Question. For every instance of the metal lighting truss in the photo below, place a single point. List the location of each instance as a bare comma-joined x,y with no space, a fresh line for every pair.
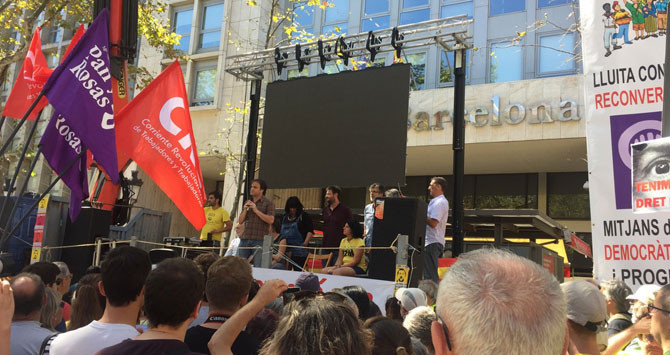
450,33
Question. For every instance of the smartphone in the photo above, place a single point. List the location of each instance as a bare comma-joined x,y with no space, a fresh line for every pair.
287,296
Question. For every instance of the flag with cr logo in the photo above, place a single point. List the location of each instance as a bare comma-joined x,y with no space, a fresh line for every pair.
33,74
155,131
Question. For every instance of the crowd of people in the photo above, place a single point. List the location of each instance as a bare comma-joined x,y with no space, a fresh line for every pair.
490,301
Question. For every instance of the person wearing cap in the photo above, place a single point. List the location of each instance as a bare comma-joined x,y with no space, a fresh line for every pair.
409,299
660,318
587,312
615,292
307,281
635,339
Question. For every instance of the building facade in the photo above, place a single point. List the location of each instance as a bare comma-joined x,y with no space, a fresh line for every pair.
525,131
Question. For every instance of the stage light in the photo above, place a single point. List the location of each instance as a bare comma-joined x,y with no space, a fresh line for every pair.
372,40
323,58
395,37
279,56
343,51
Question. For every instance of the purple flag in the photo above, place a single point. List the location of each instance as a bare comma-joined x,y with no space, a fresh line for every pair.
81,90
60,147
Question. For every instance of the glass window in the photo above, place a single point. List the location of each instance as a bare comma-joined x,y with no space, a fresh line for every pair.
376,6
376,23
52,59
414,16
295,73
499,7
49,35
463,8
339,29
506,62
210,31
303,14
555,53
447,67
545,3
340,11
566,197
406,4
418,77
510,191
205,85
182,26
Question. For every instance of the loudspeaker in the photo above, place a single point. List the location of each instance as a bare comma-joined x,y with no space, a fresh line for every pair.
91,223
393,216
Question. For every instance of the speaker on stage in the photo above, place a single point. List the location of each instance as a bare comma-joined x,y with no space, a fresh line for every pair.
91,223
393,216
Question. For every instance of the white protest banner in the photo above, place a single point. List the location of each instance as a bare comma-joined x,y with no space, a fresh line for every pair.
379,290
623,52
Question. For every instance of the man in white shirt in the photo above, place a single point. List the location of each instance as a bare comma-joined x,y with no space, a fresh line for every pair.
124,272
436,224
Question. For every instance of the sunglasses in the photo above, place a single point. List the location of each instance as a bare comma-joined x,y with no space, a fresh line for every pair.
651,308
445,330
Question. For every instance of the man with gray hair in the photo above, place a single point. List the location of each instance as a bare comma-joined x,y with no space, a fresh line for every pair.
494,302
615,292
26,333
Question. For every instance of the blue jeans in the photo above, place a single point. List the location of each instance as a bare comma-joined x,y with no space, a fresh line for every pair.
623,33
246,253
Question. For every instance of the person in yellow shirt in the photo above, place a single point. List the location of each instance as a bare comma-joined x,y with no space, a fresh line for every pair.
350,261
218,219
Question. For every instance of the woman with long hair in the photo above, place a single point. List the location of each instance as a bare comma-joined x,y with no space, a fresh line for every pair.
88,303
350,261
297,228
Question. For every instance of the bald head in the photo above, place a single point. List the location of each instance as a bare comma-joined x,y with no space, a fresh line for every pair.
28,296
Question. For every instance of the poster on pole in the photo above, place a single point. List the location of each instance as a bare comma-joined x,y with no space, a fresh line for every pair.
623,46
38,234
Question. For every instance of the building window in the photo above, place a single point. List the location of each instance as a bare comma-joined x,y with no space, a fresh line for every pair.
418,71
204,85
52,59
566,197
506,62
373,7
499,7
295,73
50,34
210,28
556,53
547,3
303,16
509,191
447,67
338,12
375,23
181,25
415,16
461,8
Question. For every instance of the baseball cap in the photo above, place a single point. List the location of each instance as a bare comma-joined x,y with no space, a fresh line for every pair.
586,304
410,298
644,293
308,281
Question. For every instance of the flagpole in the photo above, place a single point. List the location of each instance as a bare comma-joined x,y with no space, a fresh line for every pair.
18,126
2,122
5,235
18,165
23,188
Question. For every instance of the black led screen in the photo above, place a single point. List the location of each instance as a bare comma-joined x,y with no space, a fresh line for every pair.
347,129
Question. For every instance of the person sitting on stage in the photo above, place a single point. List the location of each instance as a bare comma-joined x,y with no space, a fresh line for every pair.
279,252
350,261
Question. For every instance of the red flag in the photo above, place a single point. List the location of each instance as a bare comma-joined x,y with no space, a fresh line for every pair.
73,41
32,77
155,130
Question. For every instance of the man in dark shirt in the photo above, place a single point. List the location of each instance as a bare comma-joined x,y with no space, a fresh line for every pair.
227,290
335,215
257,216
171,302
